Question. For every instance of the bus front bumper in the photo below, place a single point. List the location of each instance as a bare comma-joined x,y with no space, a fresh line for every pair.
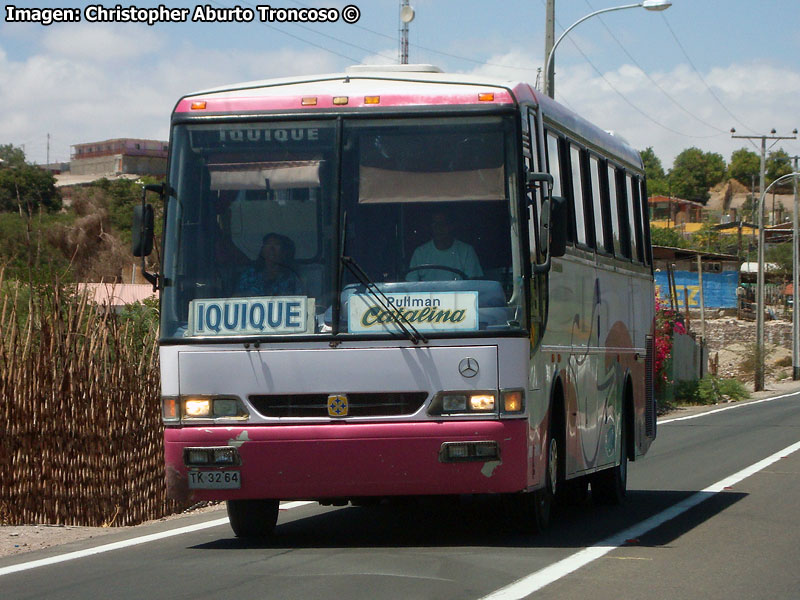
352,460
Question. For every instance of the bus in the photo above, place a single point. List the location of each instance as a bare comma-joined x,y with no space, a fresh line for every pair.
395,281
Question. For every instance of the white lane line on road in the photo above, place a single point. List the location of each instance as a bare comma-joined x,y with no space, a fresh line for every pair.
125,543
731,407
536,581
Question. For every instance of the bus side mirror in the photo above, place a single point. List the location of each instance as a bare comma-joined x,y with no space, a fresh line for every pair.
142,234
558,226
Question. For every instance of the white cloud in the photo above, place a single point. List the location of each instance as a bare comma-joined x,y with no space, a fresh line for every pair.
103,44
79,98
760,96
107,81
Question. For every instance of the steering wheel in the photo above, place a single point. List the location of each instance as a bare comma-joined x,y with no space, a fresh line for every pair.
427,267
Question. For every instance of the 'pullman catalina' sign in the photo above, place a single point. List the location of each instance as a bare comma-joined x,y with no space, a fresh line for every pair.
431,311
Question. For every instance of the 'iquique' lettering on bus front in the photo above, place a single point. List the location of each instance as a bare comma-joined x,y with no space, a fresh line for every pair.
268,135
248,316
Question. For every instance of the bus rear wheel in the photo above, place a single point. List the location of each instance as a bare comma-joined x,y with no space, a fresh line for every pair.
253,518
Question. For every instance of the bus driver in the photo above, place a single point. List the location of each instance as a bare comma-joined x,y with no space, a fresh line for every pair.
446,251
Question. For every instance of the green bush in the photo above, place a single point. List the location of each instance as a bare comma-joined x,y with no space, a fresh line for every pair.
710,390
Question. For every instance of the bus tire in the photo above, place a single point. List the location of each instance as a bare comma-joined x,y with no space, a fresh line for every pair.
531,511
252,518
610,485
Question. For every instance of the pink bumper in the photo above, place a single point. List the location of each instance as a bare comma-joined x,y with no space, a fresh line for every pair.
346,460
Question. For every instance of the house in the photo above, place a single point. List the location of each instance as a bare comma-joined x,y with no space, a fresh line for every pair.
668,212
120,156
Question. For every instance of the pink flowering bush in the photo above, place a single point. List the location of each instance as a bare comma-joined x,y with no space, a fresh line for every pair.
667,323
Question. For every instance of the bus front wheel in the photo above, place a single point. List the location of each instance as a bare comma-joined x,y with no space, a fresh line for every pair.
609,486
253,518
531,511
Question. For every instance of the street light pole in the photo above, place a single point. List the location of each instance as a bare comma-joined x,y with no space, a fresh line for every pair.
758,384
549,77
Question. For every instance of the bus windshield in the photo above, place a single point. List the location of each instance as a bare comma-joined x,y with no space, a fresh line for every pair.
263,216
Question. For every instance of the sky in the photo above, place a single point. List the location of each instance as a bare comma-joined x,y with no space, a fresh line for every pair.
668,80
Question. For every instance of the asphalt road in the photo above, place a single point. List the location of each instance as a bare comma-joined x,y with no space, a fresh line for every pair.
727,538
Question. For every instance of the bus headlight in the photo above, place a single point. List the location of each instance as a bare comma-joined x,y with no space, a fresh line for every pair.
481,402
208,407
464,403
197,408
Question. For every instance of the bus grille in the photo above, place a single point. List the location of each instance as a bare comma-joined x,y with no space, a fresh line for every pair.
650,400
362,404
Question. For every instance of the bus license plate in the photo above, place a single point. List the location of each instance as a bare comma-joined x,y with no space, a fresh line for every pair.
214,480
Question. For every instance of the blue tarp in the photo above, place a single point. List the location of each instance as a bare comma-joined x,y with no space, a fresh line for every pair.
719,289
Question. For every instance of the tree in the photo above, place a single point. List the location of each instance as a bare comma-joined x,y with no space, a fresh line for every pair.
656,179
13,156
745,165
781,254
778,164
25,187
694,172
667,236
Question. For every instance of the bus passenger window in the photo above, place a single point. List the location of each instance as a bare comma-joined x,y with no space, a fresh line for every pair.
599,234
648,258
636,236
614,210
577,195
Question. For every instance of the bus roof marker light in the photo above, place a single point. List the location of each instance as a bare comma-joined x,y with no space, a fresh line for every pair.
372,99
199,105
656,4
340,100
486,97
308,101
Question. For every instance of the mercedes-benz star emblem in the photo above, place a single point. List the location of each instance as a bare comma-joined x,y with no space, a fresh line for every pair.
468,367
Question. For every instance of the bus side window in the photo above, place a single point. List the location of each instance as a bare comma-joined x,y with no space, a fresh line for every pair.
618,215
597,204
633,219
554,168
577,196
648,250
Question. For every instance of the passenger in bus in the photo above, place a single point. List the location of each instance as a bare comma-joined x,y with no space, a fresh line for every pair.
273,273
446,251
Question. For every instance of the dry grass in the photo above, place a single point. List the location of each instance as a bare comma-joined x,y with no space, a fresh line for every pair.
80,429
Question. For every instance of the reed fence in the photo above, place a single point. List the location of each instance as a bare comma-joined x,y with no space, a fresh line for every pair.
80,424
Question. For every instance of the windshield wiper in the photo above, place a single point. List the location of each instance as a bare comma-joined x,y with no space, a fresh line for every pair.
373,290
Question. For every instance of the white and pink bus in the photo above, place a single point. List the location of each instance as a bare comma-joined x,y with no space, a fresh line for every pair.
399,282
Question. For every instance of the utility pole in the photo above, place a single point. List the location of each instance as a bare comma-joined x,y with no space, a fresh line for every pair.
758,383
48,149
549,40
795,281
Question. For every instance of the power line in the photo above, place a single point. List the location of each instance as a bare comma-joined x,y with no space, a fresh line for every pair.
653,81
705,83
419,47
316,32
630,103
291,35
